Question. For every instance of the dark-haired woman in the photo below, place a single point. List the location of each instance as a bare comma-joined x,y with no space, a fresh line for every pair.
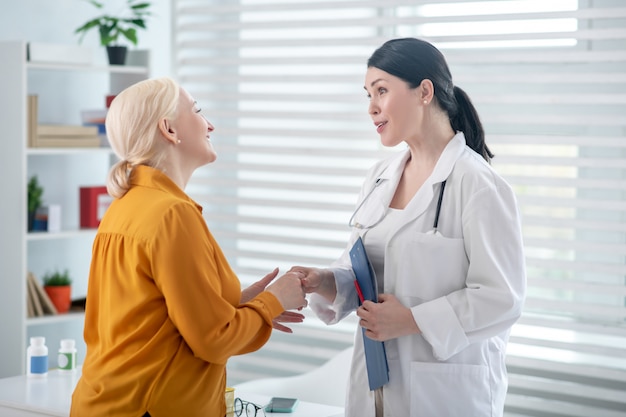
442,230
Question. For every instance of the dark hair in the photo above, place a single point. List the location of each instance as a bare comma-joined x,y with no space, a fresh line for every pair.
414,60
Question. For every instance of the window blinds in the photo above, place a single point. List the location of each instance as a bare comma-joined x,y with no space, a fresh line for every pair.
282,81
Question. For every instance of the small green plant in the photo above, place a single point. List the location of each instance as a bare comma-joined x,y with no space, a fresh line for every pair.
57,279
112,27
35,193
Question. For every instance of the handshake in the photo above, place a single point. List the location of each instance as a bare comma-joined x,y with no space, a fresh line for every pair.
291,289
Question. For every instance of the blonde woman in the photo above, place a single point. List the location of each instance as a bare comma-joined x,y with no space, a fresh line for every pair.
164,309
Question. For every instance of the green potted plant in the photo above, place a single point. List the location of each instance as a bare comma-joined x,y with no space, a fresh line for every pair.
35,193
112,27
58,287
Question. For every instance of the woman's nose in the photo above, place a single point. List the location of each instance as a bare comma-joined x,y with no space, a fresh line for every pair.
373,108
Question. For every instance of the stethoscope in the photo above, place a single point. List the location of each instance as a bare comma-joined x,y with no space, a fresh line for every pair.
379,181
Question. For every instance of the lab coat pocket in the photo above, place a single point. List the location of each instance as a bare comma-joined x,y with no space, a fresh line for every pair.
449,390
436,266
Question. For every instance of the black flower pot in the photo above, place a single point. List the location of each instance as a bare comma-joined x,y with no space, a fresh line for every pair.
31,220
117,54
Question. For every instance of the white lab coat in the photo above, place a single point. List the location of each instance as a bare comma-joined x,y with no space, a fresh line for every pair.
465,286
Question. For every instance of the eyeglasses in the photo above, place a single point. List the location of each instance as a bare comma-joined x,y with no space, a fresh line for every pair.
251,408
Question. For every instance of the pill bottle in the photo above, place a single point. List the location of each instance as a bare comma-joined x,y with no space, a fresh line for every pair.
67,356
37,358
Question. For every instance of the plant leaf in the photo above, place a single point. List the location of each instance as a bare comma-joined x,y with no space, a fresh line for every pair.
137,22
140,6
130,34
96,4
110,27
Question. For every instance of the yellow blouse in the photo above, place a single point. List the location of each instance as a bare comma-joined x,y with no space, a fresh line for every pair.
163,313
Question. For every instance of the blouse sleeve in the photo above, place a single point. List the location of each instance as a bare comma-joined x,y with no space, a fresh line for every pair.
202,293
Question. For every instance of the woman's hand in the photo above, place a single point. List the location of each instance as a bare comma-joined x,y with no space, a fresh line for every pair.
285,317
317,280
387,319
288,289
258,287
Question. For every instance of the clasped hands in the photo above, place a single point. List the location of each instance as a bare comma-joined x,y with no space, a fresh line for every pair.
289,291
387,319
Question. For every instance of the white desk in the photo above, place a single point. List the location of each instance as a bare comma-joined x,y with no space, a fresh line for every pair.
303,409
21,396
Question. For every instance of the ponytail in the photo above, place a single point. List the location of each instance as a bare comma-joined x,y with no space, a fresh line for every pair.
118,180
466,120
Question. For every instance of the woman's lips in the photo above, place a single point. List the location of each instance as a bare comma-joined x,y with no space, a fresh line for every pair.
380,126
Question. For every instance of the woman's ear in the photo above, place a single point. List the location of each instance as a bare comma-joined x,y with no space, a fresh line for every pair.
426,91
168,132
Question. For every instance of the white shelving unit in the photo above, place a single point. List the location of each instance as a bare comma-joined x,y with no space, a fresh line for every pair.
64,90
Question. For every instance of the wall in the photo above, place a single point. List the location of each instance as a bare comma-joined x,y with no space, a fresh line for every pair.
55,21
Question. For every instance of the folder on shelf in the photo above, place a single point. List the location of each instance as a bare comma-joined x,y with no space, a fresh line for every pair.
94,201
375,355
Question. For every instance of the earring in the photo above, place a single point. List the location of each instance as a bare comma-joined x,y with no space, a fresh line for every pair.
425,101
178,141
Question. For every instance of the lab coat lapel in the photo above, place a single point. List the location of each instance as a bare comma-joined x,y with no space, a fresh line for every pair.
424,196
381,196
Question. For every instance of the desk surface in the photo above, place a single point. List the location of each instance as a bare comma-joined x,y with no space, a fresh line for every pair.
21,396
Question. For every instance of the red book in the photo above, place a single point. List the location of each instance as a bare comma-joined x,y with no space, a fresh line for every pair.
93,203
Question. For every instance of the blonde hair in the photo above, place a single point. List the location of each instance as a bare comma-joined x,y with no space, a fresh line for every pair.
132,126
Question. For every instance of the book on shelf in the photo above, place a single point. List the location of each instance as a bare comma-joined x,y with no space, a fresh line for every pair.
33,297
33,103
30,303
42,305
66,131
66,136
58,135
64,142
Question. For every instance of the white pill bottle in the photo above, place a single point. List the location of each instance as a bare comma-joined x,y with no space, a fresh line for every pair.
67,356
37,358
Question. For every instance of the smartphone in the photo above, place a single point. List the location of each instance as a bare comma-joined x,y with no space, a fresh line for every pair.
281,405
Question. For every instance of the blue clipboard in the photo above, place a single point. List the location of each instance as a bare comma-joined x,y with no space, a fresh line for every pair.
375,355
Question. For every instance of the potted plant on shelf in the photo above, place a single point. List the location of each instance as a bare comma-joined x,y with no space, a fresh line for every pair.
58,287
112,27
35,193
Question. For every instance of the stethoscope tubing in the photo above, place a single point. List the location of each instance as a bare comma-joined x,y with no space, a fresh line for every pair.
376,184
358,225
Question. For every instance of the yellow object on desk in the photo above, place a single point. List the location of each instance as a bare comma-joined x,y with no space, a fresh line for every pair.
230,402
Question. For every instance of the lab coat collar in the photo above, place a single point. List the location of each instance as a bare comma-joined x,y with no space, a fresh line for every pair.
424,196
443,167
448,158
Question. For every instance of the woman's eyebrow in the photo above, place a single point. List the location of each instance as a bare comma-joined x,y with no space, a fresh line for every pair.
373,83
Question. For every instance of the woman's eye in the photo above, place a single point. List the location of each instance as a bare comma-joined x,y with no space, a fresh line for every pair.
198,110
382,90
